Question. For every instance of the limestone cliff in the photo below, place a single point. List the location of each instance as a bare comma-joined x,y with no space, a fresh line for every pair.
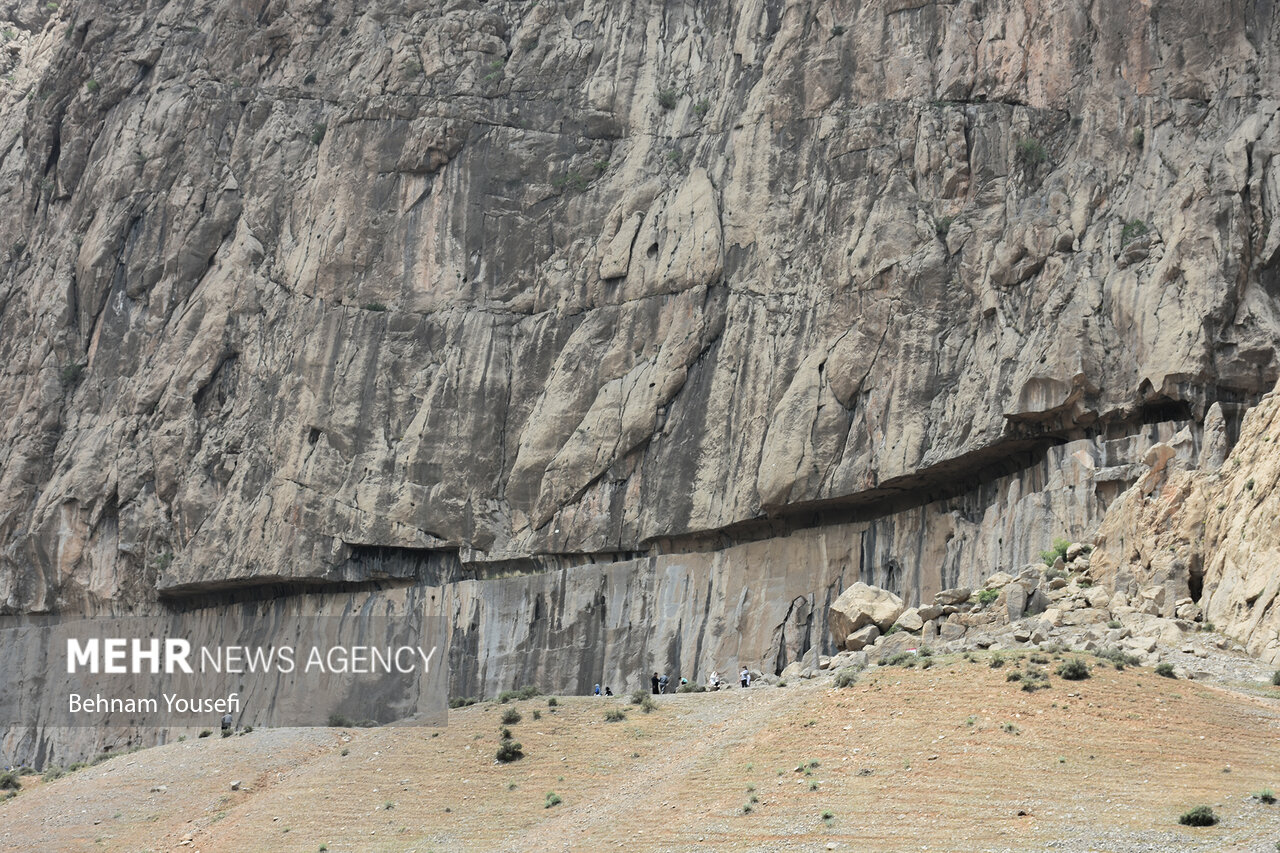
544,301
1210,536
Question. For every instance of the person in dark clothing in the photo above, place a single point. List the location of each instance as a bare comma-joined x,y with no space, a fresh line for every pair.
608,691
654,682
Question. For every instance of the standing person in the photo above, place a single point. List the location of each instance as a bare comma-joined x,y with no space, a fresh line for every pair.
597,693
662,684
654,682
745,677
226,723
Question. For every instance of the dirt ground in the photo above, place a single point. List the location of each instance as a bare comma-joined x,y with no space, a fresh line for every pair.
950,758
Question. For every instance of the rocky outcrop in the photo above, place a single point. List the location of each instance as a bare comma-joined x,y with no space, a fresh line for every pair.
1194,542
861,605
502,299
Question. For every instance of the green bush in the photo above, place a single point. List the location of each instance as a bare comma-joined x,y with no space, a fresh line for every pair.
997,661
9,781
552,702
318,132
337,721
1275,678
1059,549
509,750
648,705
462,701
1133,229
1030,153
70,374
553,799
205,733
374,306
615,715
987,596
1266,795
523,693
668,98
846,677
701,108
1166,670
638,696
511,716
1015,675
691,688
1073,670
1119,658
1199,816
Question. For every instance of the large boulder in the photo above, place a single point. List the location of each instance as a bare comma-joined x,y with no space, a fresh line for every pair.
862,605
861,638
910,620
959,595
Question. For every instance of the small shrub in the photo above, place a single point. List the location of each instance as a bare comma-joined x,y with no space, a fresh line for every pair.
1059,549
318,132
827,815
337,721
247,730
227,733
511,716
648,705
374,306
746,808
701,108
1015,675
997,661
345,751
942,225
1139,136
1199,816
615,715
92,86
1166,670
462,701
698,688
1030,153
925,652
509,751
523,693
1119,658
537,715
552,702
1133,229
1038,658
9,781
1114,624
1275,678
837,30
388,805
553,799
846,677
900,659
1073,670
638,696
70,374
987,596
1010,728
205,733
1266,795
668,98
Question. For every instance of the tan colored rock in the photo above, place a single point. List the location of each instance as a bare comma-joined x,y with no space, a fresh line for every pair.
997,580
952,597
861,638
910,620
860,605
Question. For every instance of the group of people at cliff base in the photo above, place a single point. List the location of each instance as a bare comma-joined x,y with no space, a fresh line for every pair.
660,683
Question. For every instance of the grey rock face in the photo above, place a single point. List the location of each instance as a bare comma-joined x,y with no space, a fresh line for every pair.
468,292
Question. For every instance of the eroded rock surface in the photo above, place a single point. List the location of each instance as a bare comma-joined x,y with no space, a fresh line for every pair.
464,293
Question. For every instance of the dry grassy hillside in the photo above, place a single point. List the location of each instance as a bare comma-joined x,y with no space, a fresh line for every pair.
953,757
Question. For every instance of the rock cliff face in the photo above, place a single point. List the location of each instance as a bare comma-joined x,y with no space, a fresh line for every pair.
587,302
1209,535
